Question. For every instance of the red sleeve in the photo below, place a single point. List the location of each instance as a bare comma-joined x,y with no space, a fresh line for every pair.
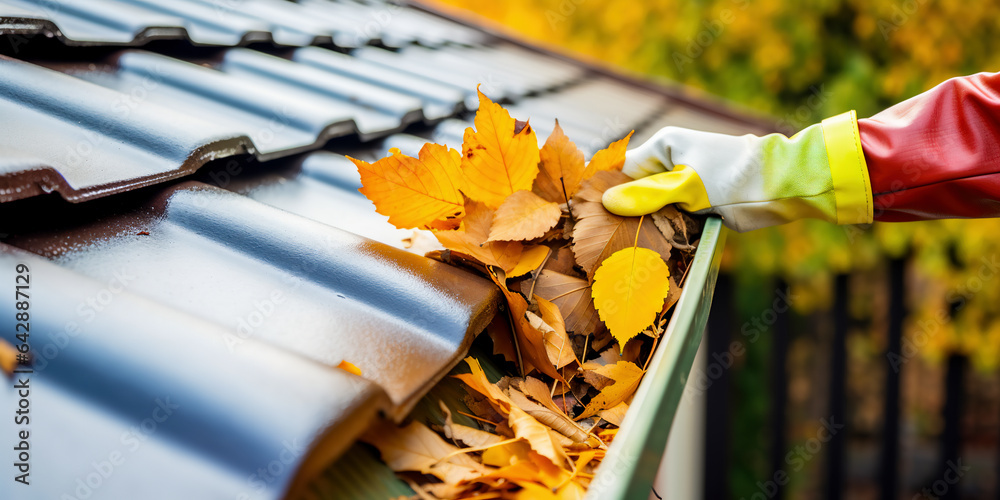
937,155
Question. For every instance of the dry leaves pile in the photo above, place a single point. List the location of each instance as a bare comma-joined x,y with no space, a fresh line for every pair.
587,294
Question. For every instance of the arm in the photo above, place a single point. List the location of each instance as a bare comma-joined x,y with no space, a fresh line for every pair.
936,155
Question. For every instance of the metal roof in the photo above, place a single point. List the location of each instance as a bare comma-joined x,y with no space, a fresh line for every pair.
231,22
194,232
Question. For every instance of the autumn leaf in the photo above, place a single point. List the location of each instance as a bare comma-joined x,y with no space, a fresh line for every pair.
561,165
530,340
537,435
524,216
470,239
573,298
544,409
599,233
615,414
609,158
626,378
562,260
671,224
477,381
417,448
503,337
557,343
349,367
531,258
414,192
497,159
629,289
472,437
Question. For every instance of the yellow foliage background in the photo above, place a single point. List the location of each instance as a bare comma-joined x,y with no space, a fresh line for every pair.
800,62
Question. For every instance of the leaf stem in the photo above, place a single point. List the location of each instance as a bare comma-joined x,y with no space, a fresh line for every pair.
566,197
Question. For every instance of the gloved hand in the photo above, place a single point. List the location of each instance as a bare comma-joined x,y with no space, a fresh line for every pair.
752,182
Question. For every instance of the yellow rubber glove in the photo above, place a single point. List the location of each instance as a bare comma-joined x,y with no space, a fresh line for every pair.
750,181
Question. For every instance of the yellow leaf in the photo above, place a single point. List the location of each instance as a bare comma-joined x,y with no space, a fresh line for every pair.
537,435
349,367
530,260
417,448
629,289
524,216
470,239
496,160
561,164
609,158
505,455
414,193
626,376
598,233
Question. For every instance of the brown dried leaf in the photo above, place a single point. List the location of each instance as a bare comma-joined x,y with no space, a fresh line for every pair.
671,223
417,448
599,233
557,343
474,438
572,297
530,340
503,343
562,261
561,164
557,420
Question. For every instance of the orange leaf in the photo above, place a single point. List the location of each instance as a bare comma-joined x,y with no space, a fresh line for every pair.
537,435
470,239
524,216
562,164
626,378
609,158
531,258
557,343
497,159
530,340
349,367
414,192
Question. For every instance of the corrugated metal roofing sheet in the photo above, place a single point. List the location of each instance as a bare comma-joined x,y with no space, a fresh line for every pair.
236,293
231,22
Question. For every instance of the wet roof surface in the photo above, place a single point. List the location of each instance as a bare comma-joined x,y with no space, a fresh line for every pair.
194,231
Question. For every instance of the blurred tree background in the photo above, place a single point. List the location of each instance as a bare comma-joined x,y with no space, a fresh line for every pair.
800,62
